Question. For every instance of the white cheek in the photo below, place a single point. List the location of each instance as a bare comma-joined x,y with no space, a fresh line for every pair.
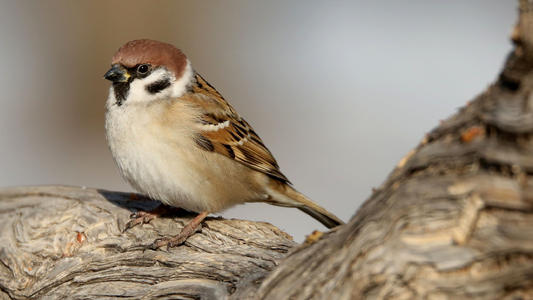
138,93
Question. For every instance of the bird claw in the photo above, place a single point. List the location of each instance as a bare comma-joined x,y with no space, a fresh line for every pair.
188,230
169,242
154,245
139,218
174,241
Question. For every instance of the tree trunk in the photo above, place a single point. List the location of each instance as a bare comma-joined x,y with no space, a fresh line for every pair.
454,220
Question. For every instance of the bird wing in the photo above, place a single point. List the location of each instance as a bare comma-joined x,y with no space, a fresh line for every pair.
222,130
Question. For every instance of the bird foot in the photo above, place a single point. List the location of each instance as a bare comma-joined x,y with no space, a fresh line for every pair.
185,233
144,217
139,218
170,242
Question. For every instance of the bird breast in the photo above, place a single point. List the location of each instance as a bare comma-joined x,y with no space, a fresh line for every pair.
153,147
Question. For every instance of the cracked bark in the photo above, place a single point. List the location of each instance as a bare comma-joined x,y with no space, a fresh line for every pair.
454,220
67,242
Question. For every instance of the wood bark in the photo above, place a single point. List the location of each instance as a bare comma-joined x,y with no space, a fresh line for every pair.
454,220
67,243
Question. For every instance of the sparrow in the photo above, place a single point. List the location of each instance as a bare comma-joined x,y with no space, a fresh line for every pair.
177,140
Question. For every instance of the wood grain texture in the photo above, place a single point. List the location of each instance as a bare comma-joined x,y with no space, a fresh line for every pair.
454,220
66,242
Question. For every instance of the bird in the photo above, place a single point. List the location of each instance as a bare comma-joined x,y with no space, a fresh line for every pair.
176,139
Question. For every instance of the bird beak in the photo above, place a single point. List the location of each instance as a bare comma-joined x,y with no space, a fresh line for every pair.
117,73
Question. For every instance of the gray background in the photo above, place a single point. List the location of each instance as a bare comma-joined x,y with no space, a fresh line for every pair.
338,90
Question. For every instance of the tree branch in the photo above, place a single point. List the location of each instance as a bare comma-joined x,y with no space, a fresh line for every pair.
454,220
66,242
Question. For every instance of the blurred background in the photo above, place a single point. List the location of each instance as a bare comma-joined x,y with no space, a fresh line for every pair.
340,91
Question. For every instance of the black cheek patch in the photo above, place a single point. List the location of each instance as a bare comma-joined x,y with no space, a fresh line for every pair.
158,86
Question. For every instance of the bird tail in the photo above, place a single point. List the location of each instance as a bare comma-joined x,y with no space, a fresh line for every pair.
284,195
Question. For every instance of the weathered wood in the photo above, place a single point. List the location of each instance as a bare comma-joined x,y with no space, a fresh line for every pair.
454,220
66,242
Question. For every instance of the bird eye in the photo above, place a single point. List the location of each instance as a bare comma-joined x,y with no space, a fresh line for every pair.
143,69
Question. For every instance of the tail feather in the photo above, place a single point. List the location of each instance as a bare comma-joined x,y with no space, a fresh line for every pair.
285,195
327,219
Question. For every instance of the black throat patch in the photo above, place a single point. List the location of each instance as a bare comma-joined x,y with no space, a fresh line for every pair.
121,91
122,88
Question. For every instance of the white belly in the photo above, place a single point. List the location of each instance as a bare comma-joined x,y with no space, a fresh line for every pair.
163,162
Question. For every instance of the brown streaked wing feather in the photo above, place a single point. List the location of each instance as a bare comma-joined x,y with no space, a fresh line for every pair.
228,133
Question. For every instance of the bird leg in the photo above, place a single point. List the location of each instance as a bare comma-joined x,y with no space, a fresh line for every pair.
185,233
145,217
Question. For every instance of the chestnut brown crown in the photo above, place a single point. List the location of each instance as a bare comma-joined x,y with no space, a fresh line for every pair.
145,51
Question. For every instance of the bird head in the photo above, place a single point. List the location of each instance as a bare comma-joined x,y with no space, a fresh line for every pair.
146,70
